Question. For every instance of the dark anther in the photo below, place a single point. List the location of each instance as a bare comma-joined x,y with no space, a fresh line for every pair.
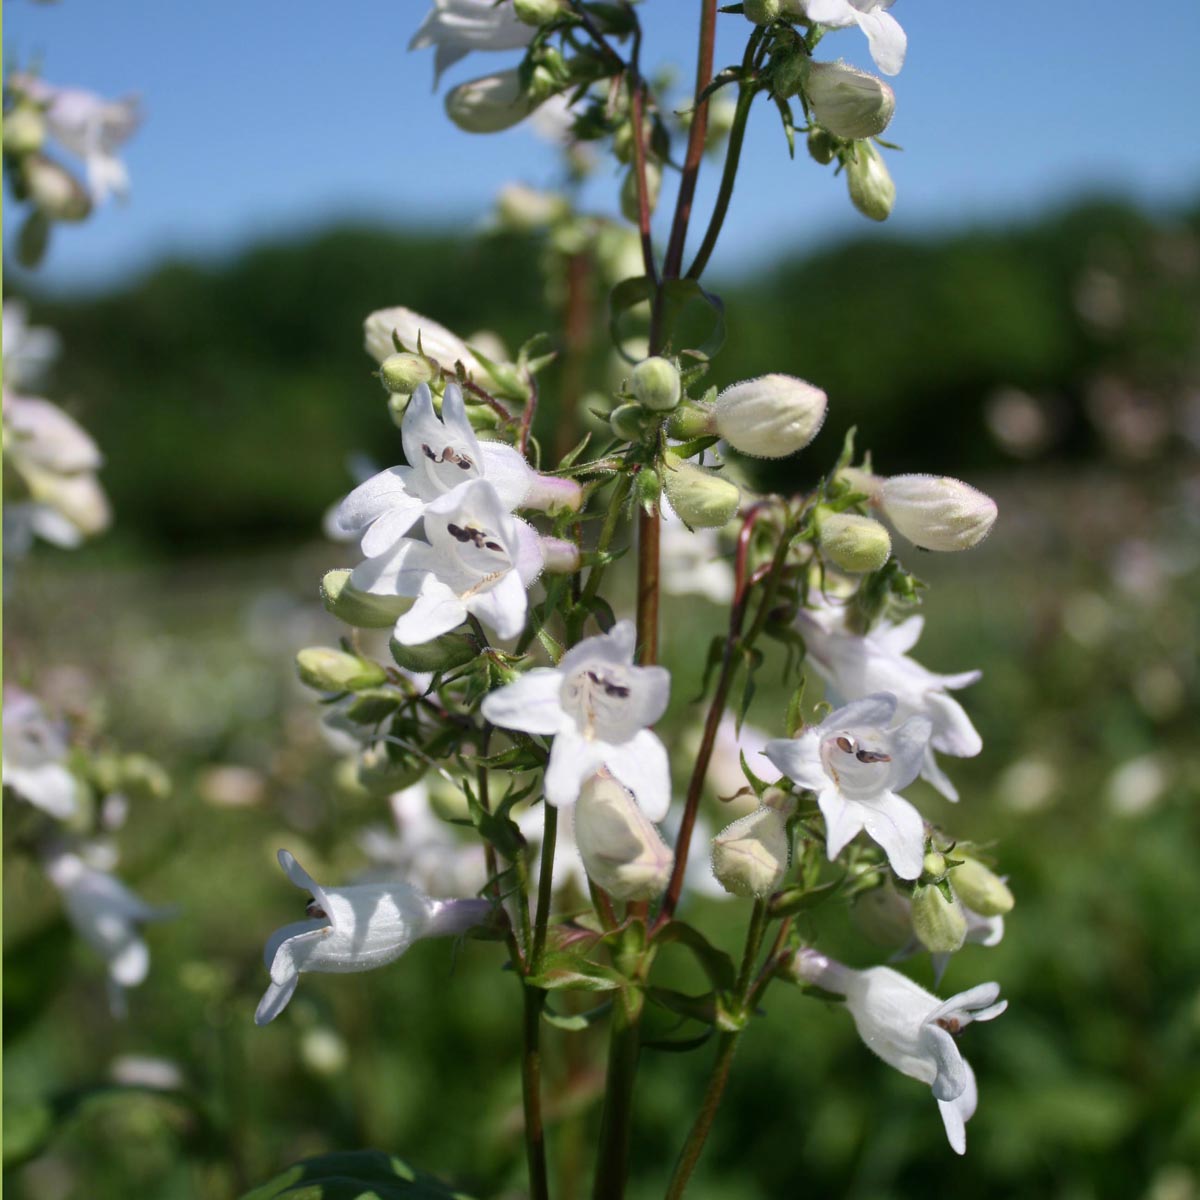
872,756
845,744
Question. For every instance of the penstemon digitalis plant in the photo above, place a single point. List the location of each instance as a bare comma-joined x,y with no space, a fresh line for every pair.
519,679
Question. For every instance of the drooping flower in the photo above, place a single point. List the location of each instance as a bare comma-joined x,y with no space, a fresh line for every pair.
443,455
456,27
598,708
887,40
477,559
355,928
28,349
856,761
108,917
35,752
622,850
912,1030
88,126
855,666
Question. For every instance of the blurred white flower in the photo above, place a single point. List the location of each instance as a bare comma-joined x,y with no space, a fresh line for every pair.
912,1030
145,1071
35,752
28,349
456,27
856,764
1136,786
597,706
691,561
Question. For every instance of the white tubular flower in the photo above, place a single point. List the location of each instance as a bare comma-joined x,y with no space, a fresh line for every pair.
443,456
354,928
28,349
912,1030
35,751
936,512
771,416
384,327
491,104
108,917
41,434
456,27
90,127
888,42
848,102
622,850
853,667
691,560
597,706
478,559
856,762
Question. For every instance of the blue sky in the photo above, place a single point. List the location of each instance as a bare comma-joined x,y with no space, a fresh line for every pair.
267,118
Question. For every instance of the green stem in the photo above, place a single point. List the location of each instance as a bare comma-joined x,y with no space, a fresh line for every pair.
612,1165
545,883
531,1091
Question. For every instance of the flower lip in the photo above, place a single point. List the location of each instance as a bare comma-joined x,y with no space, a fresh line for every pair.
858,762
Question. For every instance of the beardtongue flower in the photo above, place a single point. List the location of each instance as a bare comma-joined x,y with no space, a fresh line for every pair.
456,27
622,850
887,40
911,1029
355,928
28,349
35,751
856,761
597,706
477,559
854,666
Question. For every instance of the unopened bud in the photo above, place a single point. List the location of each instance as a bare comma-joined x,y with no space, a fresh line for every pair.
363,610
933,864
381,774
701,499
24,130
443,653
848,102
402,374
884,915
655,383
537,12
936,512
789,71
629,191
621,848
856,544
489,104
981,889
629,422
872,191
552,494
762,12
771,416
648,487
940,924
821,146
54,190
751,856
522,209
331,670
559,557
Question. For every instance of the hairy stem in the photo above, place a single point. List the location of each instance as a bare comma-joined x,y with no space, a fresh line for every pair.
612,1164
545,883
649,531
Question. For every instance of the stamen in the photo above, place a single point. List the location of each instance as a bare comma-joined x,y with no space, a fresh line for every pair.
314,910
872,756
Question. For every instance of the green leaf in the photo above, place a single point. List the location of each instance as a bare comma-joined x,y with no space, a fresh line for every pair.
625,297
801,899
374,705
677,295
695,1008
717,965
754,660
795,709
355,1175
568,969
576,1022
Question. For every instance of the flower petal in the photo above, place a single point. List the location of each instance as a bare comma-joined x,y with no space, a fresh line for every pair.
437,610
951,1078
843,820
503,607
507,471
799,759
616,647
899,829
530,703
641,764
953,732
899,639
388,528
933,774
957,1112
275,1000
572,760
887,40
875,711
908,750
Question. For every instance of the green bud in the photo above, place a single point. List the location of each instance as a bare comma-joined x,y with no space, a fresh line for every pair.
544,82
537,12
451,650
788,73
655,383
24,130
690,421
54,190
751,856
702,499
142,778
330,670
629,422
856,544
981,889
934,864
363,610
629,191
762,12
648,487
872,191
403,373
821,146
940,924
382,775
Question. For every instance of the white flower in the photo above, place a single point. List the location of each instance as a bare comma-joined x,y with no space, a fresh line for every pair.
597,706
28,349
936,512
108,917
621,848
490,104
354,928
90,127
456,27
856,764
887,40
38,433
771,416
443,455
35,751
854,666
691,561
478,559
912,1030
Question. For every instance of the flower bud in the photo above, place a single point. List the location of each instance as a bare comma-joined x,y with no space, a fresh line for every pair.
936,512
701,499
751,856
789,71
981,889
872,191
848,102
856,544
331,670
655,383
443,653
884,915
629,422
552,493
402,374
771,416
647,486
629,191
762,12
940,924
821,146
537,12
54,190
381,774
24,130
621,848
490,104
692,421
522,209
933,864
363,610
559,557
